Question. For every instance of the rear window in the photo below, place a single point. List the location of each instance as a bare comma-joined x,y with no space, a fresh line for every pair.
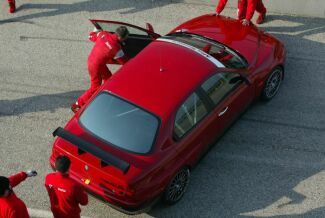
220,52
120,123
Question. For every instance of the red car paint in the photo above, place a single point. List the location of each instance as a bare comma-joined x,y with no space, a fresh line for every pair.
159,79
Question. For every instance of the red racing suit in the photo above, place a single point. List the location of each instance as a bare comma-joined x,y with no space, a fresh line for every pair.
246,8
65,195
107,49
11,206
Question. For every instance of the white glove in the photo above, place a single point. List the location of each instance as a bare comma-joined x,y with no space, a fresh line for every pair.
96,30
31,173
245,22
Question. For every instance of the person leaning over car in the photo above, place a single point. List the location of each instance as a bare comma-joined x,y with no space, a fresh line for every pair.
65,194
246,9
10,205
107,49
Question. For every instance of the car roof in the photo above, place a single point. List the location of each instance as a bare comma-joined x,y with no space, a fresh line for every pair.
160,77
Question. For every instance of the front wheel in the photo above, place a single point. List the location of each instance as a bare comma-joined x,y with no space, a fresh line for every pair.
272,84
177,186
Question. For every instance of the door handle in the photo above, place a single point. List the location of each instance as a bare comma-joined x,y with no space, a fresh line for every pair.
223,112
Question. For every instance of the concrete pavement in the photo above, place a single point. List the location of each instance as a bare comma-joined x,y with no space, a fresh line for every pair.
269,164
312,8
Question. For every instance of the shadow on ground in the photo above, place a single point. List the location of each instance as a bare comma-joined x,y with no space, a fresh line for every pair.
39,103
129,6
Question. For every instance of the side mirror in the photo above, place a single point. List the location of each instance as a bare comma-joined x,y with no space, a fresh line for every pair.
149,27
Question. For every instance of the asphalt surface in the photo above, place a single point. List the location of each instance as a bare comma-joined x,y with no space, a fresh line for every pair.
269,164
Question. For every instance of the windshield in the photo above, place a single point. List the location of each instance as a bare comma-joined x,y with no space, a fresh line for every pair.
226,56
120,123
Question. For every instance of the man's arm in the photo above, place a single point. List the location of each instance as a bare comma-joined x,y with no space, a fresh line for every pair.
121,57
12,214
93,36
51,192
81,195
14,180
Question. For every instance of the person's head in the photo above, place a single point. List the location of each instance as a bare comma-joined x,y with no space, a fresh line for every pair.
4,186
62,164
122,33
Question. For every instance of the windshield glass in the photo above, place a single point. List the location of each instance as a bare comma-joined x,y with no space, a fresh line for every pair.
220,52
120,123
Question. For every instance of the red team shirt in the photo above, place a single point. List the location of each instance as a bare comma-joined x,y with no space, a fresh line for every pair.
107,50
65,195
11,206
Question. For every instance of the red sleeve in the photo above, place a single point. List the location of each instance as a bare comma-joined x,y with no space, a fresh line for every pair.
14,180
122,60
221,5
93,36
81,196
53,198
251,6
12,214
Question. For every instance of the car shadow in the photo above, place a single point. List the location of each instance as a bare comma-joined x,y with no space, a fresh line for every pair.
38,103
264,166
85,6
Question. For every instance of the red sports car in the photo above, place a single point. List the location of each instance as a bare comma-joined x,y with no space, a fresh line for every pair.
139,136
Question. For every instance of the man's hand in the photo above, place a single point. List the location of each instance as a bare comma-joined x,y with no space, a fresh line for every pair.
97,30
245,22
31,173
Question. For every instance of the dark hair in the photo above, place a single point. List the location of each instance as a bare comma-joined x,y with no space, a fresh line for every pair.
122,32
62,164
4,185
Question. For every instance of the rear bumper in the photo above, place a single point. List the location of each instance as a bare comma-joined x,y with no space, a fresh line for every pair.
123,205
127,210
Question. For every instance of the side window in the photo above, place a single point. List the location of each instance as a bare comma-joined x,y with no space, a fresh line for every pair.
227,58
189,114
219,85
223,54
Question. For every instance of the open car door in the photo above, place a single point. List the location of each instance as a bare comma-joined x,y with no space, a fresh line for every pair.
138,38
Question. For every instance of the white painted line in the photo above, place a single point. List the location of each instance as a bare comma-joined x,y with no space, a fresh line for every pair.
35,213
40,213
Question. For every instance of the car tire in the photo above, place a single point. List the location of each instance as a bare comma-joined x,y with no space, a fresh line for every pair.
177,186
272,84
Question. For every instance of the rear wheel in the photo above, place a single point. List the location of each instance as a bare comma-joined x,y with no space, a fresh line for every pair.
177,186
272,84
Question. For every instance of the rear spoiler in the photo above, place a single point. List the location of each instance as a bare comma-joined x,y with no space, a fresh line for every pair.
84,146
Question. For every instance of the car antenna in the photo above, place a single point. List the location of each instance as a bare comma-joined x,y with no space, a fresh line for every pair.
161,69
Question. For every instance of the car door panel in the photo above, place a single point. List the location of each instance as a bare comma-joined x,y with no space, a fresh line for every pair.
228,104
236,103
190,129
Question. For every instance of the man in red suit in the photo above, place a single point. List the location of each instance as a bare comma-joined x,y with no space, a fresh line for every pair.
246,9
107,49
12,6
10,205
65,194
